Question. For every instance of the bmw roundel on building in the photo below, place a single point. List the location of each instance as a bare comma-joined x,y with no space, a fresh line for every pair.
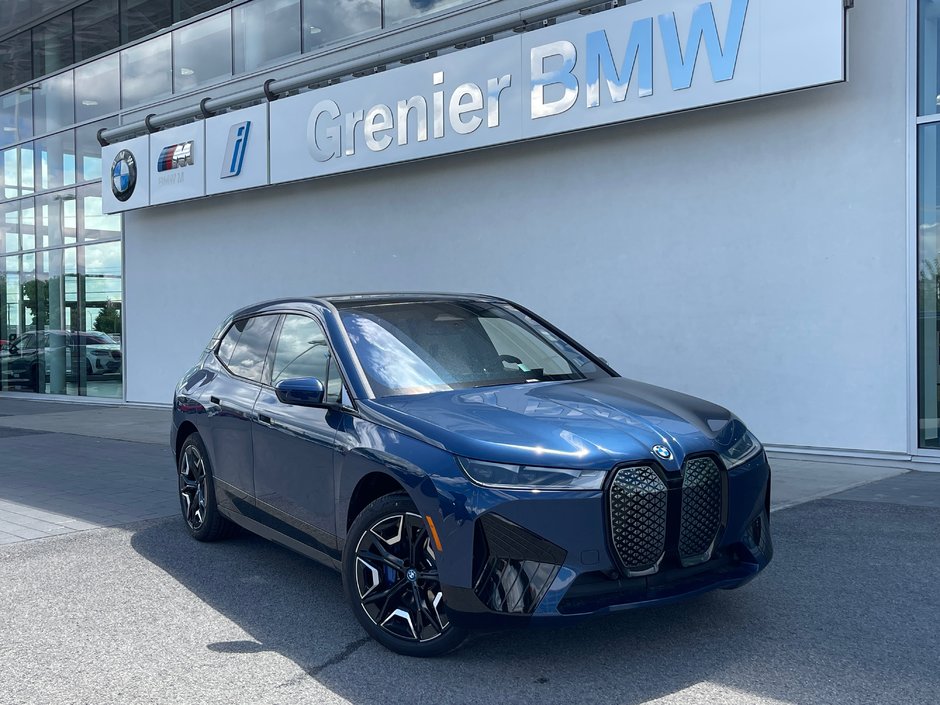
465,464
123,175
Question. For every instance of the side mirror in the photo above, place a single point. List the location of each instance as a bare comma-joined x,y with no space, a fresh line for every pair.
302,391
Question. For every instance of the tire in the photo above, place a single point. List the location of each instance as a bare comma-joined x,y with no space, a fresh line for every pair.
412,619
197,493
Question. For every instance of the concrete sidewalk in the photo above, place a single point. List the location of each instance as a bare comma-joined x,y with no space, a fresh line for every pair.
71,467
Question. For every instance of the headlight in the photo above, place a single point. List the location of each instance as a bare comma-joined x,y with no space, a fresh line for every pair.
742,450
530,477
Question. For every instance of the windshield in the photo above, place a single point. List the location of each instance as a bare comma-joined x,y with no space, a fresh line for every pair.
429,346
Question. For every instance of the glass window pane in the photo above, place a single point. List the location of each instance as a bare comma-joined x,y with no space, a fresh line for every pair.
93,223
9,230
929,285
301,351
97,88
184,9
27,224
97,28
265,31
88,150
16,116
53,104
410,10
248,356
102,310
202,52
55,219
145,71
140,18
929,51
16,171
52,45
55,160
16,58
329,21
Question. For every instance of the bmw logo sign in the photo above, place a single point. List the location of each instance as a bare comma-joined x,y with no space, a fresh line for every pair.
662,452
123,175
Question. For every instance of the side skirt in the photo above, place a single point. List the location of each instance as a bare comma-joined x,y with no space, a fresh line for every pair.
270,534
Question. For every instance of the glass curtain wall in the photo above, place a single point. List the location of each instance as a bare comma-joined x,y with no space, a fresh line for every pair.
928,231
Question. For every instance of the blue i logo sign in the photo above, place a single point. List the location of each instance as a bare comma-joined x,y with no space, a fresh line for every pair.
235,149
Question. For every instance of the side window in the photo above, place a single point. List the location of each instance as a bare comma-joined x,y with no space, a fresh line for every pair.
248,352
301,350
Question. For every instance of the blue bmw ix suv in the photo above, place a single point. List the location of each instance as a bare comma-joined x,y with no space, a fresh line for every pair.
464,464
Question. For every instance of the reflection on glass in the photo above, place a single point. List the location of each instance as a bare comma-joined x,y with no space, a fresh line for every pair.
16,171
184,9
9,229
929,51
55,160
142,17
928,252
53,104
102,308
52,45
407,10
145,71
17,60
329,21
55,213
88,150
27,224
265,31
16,116
97,88
93,223
202,52
97,28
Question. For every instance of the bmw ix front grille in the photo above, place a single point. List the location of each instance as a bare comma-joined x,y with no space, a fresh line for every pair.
652,516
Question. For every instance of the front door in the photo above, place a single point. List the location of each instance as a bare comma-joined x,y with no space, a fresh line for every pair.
293,445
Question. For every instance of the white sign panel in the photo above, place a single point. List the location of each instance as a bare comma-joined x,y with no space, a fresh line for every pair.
465,100
643,59
177,169
125,182
646,58
237,150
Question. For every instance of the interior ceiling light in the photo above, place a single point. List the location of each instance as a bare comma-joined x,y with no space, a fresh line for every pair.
186,71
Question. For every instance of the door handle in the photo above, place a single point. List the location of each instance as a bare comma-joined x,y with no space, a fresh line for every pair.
265,419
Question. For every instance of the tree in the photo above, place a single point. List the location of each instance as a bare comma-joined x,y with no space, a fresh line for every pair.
108,319
36,299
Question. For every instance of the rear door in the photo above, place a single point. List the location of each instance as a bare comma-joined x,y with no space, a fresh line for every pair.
293,445
232,394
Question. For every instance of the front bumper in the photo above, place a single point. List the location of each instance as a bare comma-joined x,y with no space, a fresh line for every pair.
546,556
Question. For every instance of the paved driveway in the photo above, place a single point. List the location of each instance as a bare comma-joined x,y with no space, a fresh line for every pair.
849,612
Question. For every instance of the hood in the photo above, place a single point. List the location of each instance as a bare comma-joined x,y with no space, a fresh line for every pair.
579,424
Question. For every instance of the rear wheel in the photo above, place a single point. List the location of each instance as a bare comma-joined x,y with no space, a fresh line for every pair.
197,493
391,580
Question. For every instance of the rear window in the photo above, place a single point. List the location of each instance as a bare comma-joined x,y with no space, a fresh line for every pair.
245,346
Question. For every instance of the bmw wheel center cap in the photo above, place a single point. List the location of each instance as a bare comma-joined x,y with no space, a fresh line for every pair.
123,175
662,452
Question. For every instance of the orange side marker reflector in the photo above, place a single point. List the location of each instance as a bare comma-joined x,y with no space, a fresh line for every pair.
437,539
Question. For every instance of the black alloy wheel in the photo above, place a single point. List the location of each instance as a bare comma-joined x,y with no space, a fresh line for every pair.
197,493
391,579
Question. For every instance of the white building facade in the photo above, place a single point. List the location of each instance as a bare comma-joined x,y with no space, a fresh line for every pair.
736,198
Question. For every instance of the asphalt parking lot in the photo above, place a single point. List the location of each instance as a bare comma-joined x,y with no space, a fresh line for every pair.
849,612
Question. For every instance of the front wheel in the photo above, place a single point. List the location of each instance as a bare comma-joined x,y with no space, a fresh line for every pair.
197,493
391,580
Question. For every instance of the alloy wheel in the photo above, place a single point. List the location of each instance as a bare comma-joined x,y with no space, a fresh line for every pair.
193,490
397,579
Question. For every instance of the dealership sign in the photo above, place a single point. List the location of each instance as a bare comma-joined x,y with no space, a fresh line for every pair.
647,58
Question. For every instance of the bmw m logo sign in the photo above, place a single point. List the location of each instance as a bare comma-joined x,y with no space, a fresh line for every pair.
176,156
123,175
662,452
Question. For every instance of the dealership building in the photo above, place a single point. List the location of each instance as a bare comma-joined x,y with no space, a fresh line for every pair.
738,199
